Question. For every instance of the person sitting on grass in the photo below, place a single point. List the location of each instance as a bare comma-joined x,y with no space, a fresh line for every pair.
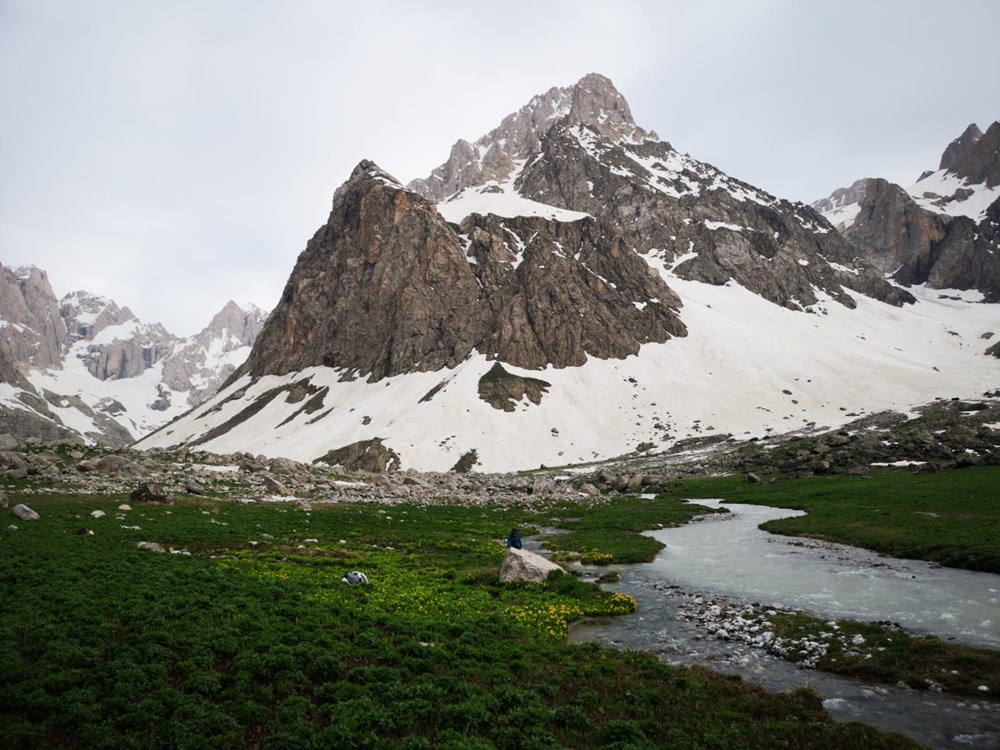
514,539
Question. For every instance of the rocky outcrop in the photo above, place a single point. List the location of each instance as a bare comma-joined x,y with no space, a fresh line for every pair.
918,246
389,287
894,232
967,257
365,455
32,332
937,232
977,160
382,288
958,150
503,390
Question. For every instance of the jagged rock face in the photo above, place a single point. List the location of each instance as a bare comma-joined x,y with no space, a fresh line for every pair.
119,345
976,159
202,363
382,288
958,149
558,292
33,332
937,232
87,314
891,229
10,375
672,208
918,246
388,287
968,257
593,100
44,341
129,357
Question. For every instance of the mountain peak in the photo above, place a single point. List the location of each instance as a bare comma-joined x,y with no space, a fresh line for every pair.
592,102
597,104
959,147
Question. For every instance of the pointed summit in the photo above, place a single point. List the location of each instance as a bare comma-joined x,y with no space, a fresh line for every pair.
961,146
592,102
597,104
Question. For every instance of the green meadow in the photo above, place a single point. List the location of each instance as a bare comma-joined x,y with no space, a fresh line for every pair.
243,636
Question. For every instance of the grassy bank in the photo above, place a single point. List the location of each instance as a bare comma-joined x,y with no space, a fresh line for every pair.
949,517
875,653
243,636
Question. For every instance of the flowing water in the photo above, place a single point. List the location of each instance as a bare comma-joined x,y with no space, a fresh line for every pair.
727,556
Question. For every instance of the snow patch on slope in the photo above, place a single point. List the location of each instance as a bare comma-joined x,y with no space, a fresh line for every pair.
747,368
947,193
501,199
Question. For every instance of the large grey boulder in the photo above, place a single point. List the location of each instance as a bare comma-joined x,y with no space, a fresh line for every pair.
274,486
522,565
25,513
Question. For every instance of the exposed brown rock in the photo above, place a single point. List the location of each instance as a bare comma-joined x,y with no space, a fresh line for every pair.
892,230
365,455
388,287
503,390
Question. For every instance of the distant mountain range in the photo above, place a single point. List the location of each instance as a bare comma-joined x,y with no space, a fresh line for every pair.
84,367
569,287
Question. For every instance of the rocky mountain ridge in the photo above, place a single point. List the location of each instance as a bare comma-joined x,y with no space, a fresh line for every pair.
631,295
82,366
942,230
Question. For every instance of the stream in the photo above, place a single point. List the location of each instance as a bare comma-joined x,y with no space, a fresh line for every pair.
726,560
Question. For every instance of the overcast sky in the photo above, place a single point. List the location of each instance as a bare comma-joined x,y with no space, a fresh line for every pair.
176,154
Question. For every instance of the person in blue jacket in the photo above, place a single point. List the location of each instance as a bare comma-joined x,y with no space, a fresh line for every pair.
514,539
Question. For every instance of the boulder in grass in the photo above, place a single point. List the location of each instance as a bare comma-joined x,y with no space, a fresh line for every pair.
25,513
274,486
151,547
149,492
522,565
193,488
